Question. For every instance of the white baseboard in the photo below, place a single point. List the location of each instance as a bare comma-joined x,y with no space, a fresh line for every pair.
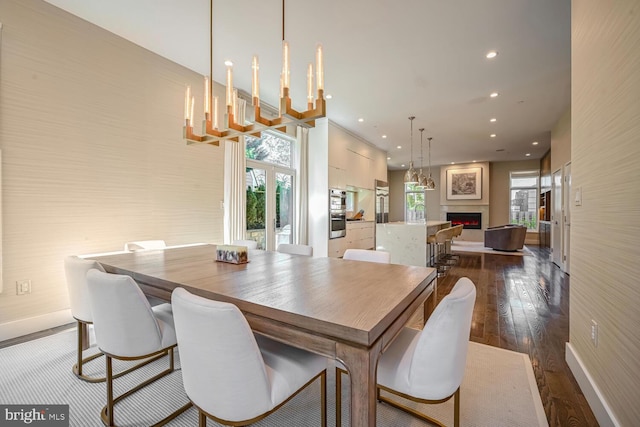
30,325
598,404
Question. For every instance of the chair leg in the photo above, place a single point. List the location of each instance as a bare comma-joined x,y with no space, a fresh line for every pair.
420,415
78,367
456,408
338,397
323,398
107,411
110,403
202,419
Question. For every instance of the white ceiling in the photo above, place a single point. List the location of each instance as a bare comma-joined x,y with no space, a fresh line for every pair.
384,61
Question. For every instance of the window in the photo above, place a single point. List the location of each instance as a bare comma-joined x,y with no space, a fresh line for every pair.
413,203
523,188
270,148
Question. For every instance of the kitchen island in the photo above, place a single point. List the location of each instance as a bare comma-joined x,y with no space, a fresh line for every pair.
407,241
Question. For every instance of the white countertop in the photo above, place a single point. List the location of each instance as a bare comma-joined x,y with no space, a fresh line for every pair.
427,223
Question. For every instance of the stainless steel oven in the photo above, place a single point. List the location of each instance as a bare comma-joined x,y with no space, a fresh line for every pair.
337,213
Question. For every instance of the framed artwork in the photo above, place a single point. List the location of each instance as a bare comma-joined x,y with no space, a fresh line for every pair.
464,184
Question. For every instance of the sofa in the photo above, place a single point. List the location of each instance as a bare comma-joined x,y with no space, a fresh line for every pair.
508,237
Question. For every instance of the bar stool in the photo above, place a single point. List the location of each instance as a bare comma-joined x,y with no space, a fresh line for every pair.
449,257
437,244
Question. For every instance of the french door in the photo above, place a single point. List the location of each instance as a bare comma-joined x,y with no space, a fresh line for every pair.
269,204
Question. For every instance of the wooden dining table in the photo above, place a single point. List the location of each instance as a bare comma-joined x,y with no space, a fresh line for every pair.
341,309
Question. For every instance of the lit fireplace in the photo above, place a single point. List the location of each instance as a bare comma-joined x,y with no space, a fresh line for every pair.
470,220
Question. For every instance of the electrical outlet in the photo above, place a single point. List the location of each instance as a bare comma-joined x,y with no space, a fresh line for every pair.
594,333
23,287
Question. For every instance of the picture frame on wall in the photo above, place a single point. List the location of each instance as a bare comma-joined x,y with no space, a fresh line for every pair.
464,184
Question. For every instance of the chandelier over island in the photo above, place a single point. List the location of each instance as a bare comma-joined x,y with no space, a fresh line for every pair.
213,133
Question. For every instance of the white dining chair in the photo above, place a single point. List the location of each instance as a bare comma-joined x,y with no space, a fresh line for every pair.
143,245
427,366
128,328
76,269
250,244
381,257
232,376
289,248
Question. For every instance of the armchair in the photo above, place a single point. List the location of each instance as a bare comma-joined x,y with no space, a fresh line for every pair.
508,237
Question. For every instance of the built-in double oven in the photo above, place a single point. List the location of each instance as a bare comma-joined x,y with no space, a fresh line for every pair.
337,213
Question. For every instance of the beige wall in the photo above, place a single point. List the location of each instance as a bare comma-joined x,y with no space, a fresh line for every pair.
396,195
561,142
605,230
92,152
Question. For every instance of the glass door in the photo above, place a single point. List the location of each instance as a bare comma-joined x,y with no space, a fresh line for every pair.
284,207
269,204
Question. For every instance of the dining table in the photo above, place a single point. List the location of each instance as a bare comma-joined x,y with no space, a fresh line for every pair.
342,309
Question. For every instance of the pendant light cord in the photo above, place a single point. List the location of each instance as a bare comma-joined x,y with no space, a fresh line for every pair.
282,20
411,137
211,50
430,138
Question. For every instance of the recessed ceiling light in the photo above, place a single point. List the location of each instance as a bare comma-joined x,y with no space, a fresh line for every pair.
384,136
228,63
402,165
328,96
453,163
474,161
535,143
361,120
493,94
493,135
528,154
492,120
491,54
388,158
399,147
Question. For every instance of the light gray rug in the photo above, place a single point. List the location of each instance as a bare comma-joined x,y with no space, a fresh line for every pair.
478,247
498,390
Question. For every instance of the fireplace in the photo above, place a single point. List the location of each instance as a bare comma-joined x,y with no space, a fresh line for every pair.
470,220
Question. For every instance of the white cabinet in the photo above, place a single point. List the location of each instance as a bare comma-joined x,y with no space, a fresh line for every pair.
337,247
359,172
337,177
360,235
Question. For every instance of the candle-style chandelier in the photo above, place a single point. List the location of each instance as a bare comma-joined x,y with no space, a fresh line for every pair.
213,133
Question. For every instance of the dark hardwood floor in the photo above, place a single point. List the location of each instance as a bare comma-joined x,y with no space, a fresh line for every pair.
522,304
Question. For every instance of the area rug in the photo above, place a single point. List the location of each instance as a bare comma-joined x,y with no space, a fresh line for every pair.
478,247
498,390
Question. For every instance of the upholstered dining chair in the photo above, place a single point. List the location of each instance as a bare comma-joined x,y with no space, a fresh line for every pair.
231,375
427,366
128,328
143,245
381,257
289,248
250,244
76,269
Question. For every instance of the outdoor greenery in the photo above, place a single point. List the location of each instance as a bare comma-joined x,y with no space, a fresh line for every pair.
256,206
530,223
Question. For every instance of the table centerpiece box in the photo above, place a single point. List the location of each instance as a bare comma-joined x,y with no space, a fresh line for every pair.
232,254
